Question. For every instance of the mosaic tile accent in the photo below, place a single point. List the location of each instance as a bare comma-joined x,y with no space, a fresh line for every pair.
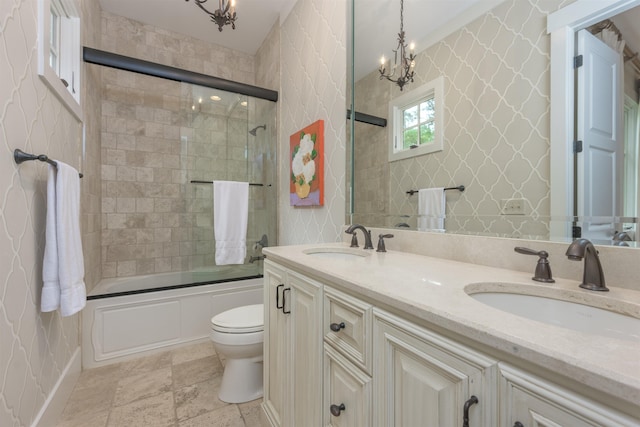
496,137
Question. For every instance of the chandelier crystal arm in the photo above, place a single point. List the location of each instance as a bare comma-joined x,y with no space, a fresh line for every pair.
224,15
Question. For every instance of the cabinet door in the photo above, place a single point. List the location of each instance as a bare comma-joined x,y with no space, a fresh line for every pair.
276,347
533,402
305,308
423,379
345,384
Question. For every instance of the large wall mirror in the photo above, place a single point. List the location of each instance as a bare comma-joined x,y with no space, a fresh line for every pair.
509,118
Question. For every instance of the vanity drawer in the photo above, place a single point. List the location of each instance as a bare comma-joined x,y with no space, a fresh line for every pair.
348,327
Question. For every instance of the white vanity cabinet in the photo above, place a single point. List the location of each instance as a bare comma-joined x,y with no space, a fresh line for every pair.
417,377
529,401
347,328
334,357
425,379
293,348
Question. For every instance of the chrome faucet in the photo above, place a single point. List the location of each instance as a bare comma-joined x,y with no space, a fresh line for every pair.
593,276
354,241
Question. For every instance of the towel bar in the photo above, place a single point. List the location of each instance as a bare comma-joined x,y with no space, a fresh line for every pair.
459,188
20,156
195,181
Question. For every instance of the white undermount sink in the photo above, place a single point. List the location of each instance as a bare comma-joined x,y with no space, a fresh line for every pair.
565,314
337,253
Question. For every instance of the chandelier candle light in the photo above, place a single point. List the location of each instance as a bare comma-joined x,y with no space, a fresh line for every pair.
406,62
224,15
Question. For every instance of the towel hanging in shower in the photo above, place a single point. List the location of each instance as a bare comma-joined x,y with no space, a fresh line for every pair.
230,215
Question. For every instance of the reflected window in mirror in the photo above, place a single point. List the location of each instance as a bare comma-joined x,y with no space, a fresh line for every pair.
416,121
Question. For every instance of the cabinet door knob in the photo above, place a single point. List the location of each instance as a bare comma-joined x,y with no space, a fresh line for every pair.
335,409
335,327
467,405
518,424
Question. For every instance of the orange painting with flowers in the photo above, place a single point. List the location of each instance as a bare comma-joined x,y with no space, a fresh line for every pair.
306,154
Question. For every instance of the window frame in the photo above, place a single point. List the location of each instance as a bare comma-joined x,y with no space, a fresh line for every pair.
68,49
397,106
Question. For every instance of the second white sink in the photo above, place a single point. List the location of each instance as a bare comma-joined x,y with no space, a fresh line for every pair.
565,314
337,253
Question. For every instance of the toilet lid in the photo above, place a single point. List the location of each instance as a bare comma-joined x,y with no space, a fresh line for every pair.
248,318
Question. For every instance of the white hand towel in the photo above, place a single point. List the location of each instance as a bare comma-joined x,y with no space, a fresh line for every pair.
50,300
431,206
230,215
63,264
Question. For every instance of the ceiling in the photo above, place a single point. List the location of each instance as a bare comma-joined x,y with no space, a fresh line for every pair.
256,18
377,22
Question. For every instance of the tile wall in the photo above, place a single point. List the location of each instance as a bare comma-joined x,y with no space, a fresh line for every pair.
157,136
36,347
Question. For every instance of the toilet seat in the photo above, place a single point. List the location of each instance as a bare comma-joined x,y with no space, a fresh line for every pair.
240,320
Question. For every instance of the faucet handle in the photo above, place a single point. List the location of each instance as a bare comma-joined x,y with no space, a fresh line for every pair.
543,268
354,239
381,237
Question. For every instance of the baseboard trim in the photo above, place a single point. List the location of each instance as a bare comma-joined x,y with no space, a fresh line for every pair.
52,408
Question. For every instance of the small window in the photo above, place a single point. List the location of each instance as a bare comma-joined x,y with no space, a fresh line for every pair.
416,119
59,50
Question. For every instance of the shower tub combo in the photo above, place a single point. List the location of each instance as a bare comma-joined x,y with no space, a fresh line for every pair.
183,130
131,316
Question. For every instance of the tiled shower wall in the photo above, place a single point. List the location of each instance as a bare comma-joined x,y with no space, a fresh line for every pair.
312,87
157,137
496,139
36,347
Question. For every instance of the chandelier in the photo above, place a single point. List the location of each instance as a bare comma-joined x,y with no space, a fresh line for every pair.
406,64
224,15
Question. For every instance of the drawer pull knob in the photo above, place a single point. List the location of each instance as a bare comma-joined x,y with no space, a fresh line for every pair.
467,405
518,424
335,327
335,409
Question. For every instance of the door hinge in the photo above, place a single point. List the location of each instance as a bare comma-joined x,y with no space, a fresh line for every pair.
577,146
577,61
576,232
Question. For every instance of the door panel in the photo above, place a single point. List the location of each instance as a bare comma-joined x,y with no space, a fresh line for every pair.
599,127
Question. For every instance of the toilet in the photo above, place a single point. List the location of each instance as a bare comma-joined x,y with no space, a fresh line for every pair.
237,334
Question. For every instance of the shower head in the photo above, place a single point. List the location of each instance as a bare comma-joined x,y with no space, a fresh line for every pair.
254,130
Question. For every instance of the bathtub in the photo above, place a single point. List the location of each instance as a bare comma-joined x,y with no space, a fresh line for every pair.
129,317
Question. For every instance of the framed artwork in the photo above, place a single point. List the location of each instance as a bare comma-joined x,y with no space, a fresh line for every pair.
306,154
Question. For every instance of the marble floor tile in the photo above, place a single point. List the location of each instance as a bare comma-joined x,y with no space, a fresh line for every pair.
228,416
146,364
89,400
156,411
199,398
251,413
100,377
196,371
192,352
93,419
142,385
178,387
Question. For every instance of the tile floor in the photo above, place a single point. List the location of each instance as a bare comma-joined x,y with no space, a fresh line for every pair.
177,388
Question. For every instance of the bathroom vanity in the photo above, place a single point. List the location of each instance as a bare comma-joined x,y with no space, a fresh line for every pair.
359,338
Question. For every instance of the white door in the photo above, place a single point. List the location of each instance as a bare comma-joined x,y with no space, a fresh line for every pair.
599,127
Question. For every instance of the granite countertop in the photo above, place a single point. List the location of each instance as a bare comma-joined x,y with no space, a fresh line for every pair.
433,289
